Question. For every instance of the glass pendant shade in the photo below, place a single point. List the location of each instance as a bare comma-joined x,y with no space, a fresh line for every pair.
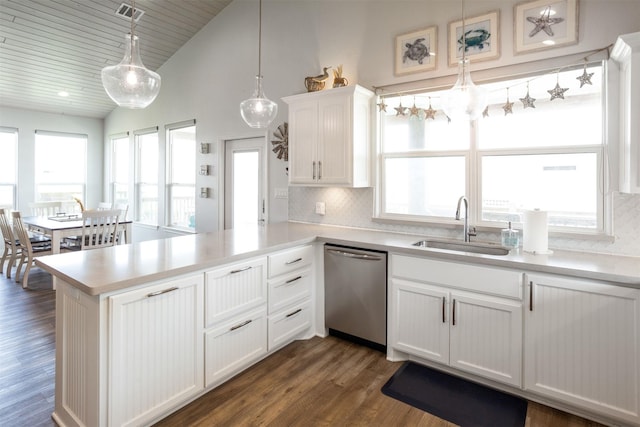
465,100
130,84
258,111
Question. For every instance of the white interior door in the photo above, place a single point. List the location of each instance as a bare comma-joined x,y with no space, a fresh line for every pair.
244,182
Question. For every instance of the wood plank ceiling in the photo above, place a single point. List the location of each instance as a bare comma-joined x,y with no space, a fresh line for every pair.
48,46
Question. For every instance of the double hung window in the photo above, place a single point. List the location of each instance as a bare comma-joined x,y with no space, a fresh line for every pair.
146,158
8,162
181,175
549,155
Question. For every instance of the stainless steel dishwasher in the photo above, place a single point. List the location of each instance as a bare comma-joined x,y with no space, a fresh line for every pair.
355,283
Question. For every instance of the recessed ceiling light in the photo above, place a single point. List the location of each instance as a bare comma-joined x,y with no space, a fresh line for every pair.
63,93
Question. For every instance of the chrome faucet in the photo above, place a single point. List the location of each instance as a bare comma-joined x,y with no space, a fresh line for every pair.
466,231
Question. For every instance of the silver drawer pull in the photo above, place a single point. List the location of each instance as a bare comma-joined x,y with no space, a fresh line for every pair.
293,280
293,262
164,291
294,313
245,323
240,270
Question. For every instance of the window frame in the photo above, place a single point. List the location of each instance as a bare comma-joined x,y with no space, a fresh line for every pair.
169,184
14,183
137,171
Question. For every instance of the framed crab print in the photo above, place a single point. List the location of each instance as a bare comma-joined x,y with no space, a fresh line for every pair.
416,51
544,24
477,37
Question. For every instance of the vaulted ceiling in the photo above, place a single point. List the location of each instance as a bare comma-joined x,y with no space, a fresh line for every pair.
49,46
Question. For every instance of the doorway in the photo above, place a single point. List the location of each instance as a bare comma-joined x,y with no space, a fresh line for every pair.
244,182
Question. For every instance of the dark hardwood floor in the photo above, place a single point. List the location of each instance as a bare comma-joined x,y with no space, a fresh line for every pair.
319,382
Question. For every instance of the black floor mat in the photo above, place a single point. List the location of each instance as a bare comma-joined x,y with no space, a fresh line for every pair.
456,400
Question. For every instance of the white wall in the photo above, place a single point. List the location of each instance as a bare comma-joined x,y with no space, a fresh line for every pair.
213,72
27,123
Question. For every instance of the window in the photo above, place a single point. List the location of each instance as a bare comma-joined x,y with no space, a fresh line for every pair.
146,197
548,157
8,162
181,176
60,166
120,170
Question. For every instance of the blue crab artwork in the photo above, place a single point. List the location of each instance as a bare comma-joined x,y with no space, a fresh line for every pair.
474,39
416,51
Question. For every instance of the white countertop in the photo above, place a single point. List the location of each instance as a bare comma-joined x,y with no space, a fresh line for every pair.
112,269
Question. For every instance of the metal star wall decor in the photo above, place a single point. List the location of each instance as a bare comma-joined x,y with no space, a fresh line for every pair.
527,101
544,22
585,78
400,110
430,112
508,106
382,106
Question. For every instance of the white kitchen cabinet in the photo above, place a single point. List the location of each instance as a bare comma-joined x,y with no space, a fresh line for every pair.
435,317
235,318
582,344
329,137
155,350
626,53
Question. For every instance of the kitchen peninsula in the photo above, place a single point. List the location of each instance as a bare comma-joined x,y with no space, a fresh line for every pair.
143,329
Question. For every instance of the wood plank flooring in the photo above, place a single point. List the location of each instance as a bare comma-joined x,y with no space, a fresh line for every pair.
319,382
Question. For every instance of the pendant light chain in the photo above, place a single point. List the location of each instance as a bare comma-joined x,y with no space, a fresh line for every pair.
133,14
260,40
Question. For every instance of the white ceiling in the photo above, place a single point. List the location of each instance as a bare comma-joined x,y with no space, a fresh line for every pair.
47,46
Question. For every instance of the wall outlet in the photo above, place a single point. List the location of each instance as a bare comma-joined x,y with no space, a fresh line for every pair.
281,193
320,208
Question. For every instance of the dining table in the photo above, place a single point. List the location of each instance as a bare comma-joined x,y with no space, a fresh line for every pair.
58,227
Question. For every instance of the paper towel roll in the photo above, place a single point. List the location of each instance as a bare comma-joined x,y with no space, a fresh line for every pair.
535,232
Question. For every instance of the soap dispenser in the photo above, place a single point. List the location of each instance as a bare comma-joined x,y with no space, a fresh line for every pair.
510,237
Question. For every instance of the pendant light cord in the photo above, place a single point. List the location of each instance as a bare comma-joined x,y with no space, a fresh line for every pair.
133,14
260,41
464,35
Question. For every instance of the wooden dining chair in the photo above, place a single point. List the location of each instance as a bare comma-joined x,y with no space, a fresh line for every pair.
99,228
11,249
27,250
45,208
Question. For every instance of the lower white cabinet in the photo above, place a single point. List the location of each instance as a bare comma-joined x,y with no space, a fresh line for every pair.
582,344
155,350
287,324
475,333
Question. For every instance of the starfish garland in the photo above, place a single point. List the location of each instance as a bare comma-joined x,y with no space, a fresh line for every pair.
508,106
527,101
585,78
430,112
400,110
557,92
382,106
414,111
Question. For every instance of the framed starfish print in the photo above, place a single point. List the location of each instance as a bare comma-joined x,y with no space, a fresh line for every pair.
545,24
416,51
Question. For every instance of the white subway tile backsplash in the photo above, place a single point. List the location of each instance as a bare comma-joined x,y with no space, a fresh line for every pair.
354,208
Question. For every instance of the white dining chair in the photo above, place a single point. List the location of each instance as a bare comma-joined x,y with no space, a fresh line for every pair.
99,228
103,206
27,250
45,208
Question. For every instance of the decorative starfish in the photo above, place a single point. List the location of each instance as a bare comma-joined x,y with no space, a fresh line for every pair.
414,111
485,113
400,110
527,101
544,22
585,78
557,92
382,106
430,112
508,106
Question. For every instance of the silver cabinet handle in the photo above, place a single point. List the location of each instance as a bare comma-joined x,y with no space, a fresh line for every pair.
356,256
245,323
531,295
240,270
444,303
295,279
314,170
453,313
164,291
319,171
293,262
294,313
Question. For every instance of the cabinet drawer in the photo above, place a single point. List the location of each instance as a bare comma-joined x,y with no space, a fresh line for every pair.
292,259
235,345
284,326
289,289
233,289
487,280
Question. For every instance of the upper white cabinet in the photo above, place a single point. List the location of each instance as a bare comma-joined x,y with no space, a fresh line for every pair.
626,53
329,137
582,345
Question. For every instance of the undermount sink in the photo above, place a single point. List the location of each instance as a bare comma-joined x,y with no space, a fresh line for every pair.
474,247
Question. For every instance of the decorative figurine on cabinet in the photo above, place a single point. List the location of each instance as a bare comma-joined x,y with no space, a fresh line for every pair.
314,84
338,80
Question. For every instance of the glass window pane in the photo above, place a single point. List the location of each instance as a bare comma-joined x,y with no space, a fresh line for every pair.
147,178
565,185
181,182
8,162
428,186
120,171
60,166
245,188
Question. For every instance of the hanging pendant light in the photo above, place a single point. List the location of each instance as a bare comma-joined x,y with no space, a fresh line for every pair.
130,84
258,111
464,100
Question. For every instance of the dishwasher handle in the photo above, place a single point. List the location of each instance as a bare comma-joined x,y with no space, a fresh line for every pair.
354,255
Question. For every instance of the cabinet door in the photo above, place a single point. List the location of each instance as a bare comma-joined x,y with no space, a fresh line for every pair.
582,344
486,336
235,345
420,324
334,142
303,139
155,350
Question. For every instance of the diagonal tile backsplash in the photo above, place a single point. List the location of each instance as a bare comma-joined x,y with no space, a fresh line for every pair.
354,208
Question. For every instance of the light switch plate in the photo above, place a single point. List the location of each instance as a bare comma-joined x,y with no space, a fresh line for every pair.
281,193
320,208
